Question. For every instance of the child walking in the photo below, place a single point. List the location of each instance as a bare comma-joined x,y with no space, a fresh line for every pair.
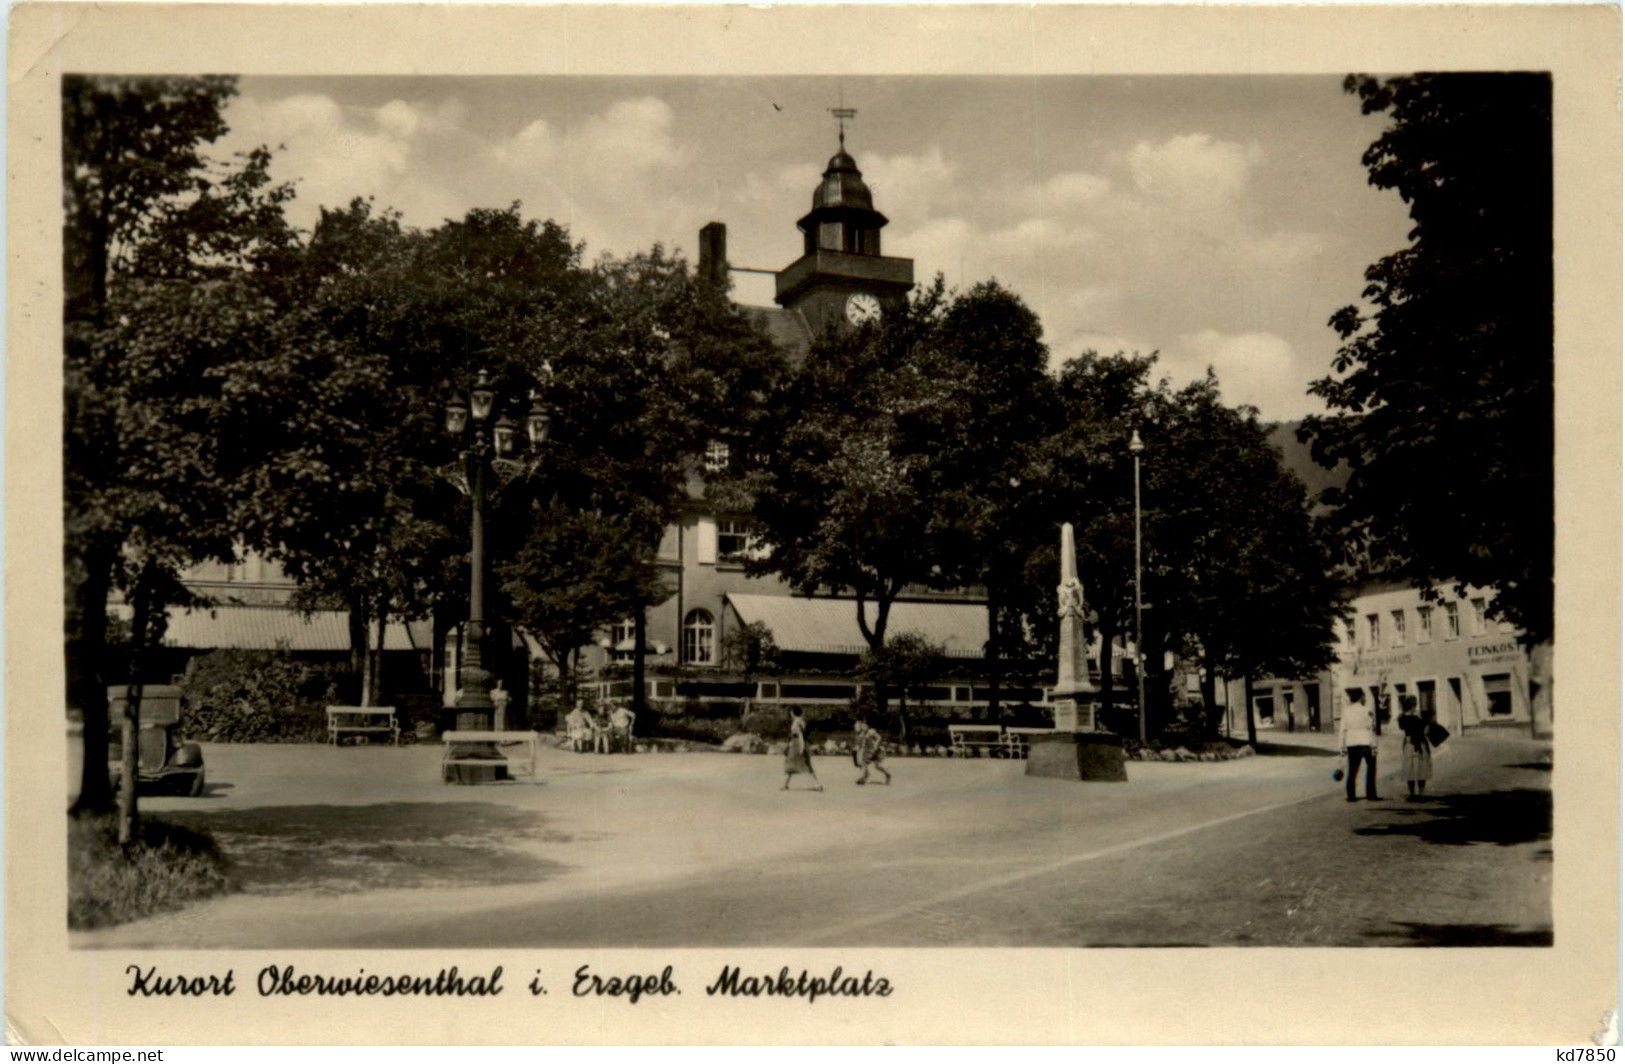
870,753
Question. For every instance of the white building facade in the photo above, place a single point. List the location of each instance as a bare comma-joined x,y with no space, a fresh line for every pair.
1448,653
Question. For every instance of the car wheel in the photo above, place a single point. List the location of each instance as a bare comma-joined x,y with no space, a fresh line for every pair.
197,785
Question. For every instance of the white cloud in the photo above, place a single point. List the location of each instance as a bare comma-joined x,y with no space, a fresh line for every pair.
1193,169
1257,368
909,186
609,177
1063,349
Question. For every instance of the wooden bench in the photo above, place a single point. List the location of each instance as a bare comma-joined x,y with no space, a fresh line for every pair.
362,720
969,739
1016,741
528,739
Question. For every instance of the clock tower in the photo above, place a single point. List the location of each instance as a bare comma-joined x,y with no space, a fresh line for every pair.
841,279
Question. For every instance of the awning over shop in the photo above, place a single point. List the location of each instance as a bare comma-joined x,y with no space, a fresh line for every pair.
830,625
268,627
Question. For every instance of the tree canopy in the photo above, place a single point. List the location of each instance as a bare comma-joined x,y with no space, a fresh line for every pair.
170,274
1442,388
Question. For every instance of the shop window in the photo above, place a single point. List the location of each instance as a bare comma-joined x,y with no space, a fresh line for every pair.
1478,605
699,638
1264,706
1424,624
1452,621
1498,694
1399,628
1373,631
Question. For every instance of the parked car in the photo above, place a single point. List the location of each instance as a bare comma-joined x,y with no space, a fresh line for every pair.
164,764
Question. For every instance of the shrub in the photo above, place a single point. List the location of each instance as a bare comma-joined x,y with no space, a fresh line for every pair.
244,696
691,729
164,868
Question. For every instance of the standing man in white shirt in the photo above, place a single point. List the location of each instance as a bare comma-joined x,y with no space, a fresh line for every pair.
1358,740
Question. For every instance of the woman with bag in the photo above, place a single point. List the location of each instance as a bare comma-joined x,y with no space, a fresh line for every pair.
1418,752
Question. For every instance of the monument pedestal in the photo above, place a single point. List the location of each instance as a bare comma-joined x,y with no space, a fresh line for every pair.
1077,755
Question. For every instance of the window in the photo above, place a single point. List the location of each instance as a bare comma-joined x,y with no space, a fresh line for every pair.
1373,631
717,454
1478,616
733,540
1348,633
699,638
621,631
1399,627
1452,621
1498,694
1424,624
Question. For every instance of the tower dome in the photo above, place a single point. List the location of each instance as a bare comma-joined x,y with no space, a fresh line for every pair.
842,185
843,215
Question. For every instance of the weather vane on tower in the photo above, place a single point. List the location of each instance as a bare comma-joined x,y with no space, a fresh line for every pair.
841,115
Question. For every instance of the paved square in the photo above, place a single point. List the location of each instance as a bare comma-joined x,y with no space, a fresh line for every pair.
363,846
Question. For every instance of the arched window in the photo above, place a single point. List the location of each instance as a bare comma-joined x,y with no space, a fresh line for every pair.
699,638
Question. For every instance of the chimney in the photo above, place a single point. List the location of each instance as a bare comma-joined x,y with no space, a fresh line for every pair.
713,268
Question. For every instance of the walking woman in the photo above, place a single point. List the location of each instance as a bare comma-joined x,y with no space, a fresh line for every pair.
796,758
1418,752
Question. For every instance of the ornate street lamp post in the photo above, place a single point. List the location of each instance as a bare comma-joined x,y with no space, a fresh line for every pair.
1135,446
486,448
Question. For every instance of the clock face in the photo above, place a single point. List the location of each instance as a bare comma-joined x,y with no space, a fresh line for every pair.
862,307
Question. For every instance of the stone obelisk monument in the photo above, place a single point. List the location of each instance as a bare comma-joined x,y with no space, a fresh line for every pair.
1078,749
1074,711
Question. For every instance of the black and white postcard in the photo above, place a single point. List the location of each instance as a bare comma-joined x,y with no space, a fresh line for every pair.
813,524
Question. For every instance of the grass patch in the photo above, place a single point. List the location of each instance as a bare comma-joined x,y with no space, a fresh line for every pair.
164,868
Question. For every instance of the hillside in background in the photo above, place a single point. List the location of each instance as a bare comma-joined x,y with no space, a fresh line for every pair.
1296,457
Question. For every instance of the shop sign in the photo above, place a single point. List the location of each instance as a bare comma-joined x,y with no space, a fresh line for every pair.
1494,652
1378,661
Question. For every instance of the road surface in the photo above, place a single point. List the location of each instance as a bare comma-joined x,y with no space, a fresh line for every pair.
361,847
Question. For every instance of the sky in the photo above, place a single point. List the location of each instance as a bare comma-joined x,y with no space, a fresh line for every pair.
1218,221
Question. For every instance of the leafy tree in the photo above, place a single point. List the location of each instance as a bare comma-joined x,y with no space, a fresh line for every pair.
1443,393
170,267
999,408
690,370
908,659
1085,475
1243,576
847,498
750,651
577,572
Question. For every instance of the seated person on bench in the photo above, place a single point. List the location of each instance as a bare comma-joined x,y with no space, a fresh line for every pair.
620,728
578,730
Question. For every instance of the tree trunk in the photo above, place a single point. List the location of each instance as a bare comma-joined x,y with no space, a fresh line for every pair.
875,636
1210,702
87,687
378,658
356,620
1247,697
640,635
130,761
995,655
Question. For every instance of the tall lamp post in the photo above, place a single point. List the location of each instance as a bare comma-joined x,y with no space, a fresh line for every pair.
486,447
1135,446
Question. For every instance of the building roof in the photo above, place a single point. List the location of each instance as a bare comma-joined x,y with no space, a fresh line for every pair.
270,627
830,625
788,329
